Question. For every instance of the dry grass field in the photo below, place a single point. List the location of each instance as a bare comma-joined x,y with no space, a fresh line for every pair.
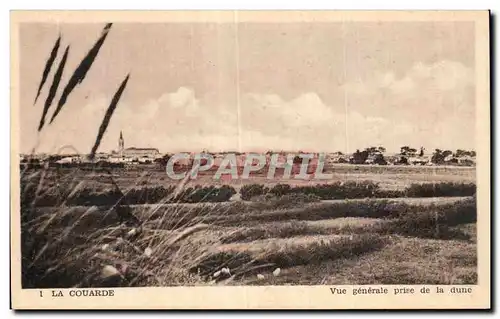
268,241
388,177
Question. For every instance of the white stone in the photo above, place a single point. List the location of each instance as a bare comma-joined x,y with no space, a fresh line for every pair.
109,271
276,272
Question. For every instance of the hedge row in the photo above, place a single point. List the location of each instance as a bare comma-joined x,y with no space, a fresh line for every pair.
197,194
440,190
146,195
460,212
338,190
436,222
363,189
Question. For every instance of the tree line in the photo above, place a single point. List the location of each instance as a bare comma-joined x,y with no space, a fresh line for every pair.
376,155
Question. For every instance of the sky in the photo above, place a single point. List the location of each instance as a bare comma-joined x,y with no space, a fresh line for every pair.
318,86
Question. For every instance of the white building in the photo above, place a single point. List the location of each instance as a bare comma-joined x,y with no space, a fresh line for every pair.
138,153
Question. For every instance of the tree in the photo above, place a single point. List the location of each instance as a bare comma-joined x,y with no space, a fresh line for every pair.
447,153
461,153
403,160
371,150
379,159
163,160
439,156
408,151
421,151
359,157
377,153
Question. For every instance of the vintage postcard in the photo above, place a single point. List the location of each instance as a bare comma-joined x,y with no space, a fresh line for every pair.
250,160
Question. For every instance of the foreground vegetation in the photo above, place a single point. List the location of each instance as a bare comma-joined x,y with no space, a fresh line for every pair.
363,189
190,245
55,195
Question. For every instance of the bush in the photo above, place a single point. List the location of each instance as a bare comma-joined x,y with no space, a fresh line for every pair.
383,193
200,194
361,189
440,189
460,212
358,189
318,252
147,195
285,230
135,196
252,190
291,200
319,211
290,256
435,222
339,190
281,189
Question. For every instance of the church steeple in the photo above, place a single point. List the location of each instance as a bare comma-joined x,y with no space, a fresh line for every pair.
121,144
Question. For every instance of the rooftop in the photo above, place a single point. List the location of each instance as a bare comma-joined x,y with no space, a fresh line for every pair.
141,149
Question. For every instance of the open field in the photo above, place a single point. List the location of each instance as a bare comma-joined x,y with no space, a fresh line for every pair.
388,177
419,240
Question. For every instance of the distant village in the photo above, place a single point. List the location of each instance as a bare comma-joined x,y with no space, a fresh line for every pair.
369,156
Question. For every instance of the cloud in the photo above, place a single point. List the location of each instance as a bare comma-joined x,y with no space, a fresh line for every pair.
174,120
443,76
430,105
435,102
184,98
305,110
305,123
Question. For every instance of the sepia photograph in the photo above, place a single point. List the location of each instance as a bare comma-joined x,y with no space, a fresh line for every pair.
242,150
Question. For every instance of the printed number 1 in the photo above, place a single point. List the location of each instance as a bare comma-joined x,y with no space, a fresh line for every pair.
41,293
